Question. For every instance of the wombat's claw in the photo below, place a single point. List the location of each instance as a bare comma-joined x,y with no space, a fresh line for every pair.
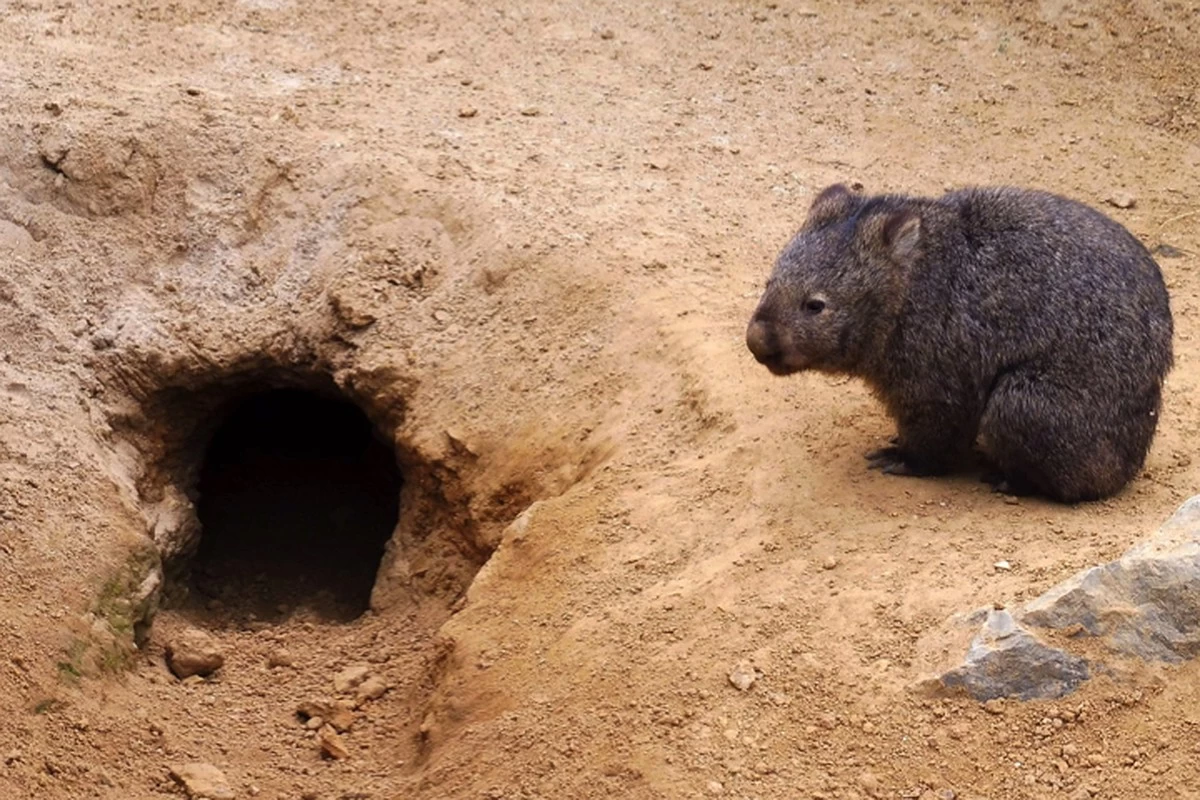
892,449
883,456
892,461
902,468
889,453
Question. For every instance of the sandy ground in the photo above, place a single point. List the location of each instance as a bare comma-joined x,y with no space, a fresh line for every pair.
525,240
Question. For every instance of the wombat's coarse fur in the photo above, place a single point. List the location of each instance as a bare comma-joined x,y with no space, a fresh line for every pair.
1022,318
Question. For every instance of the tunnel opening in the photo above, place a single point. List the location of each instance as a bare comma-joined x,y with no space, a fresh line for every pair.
297,497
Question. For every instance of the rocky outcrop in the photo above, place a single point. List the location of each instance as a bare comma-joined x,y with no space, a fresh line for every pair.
1006,660
1145,605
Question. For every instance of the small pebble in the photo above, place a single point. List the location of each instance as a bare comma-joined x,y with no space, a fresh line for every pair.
1122,200
743,676
280,658
349,678
331,744
372,688
869,783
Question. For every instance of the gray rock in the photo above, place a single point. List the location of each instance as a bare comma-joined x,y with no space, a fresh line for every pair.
1145,604
1006,660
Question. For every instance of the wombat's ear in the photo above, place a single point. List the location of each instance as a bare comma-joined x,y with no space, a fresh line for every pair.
902,235
834,202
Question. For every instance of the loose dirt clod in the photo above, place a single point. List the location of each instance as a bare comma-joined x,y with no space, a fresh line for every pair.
331,743
203,782
372,688
349,679
743,676
281,658
194,652
337,713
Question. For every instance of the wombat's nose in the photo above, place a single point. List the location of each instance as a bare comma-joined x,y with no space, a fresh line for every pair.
761,341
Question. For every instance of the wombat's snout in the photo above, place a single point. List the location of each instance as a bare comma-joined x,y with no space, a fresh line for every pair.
762,341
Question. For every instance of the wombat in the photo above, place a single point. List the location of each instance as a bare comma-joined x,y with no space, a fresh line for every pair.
1024,320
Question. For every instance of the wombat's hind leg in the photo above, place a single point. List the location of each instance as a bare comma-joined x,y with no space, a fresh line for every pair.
1043,433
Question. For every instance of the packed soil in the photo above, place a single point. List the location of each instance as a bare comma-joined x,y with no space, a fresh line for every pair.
521,241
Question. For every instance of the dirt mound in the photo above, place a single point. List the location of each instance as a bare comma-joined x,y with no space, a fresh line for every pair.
510,253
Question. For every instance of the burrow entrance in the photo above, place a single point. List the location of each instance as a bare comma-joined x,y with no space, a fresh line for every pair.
279,492
297,497
293,498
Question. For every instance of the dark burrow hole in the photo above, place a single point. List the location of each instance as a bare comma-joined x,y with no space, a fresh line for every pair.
297,497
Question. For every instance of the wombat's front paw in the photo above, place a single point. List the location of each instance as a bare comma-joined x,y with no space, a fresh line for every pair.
893,461
891,451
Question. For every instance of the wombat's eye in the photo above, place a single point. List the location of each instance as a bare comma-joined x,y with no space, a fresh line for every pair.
814,306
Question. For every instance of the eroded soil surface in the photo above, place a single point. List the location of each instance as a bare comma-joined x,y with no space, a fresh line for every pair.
525,239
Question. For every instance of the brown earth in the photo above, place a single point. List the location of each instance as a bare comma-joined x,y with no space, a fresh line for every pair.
524,239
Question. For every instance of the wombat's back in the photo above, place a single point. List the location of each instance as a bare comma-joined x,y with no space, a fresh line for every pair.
1041,276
